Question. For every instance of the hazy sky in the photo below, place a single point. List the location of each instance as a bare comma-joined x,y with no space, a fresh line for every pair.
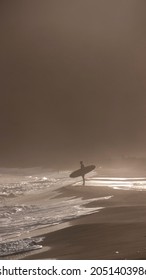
72,81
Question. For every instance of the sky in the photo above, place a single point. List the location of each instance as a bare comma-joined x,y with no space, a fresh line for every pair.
72,81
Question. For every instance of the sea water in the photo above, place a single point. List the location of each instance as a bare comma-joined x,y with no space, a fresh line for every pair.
30,200
128,183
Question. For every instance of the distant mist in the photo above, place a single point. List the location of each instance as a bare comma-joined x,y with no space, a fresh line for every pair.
72,81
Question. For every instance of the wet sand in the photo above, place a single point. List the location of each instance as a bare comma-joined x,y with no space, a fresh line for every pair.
117,231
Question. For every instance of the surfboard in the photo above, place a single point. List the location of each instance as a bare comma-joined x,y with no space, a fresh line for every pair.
82,171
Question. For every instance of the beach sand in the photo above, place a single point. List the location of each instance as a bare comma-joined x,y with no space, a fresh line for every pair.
117,231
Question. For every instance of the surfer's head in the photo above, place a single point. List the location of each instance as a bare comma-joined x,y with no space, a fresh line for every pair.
81,162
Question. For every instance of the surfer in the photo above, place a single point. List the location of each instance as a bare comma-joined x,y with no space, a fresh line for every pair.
83,175
82,171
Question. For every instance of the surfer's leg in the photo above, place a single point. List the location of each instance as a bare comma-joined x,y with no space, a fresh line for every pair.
83,180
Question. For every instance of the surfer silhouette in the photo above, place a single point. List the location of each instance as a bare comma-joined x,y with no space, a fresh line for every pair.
82,171
83,175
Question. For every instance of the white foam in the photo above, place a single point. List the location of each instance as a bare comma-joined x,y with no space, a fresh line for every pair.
20,245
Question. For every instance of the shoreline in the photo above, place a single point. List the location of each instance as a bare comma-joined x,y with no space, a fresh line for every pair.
117,231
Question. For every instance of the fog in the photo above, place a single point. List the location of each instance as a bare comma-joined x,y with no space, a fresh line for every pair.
72,81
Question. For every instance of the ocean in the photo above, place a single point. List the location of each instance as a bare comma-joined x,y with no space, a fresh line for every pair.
30,199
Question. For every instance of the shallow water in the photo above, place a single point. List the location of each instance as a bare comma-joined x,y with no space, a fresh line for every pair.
128,183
